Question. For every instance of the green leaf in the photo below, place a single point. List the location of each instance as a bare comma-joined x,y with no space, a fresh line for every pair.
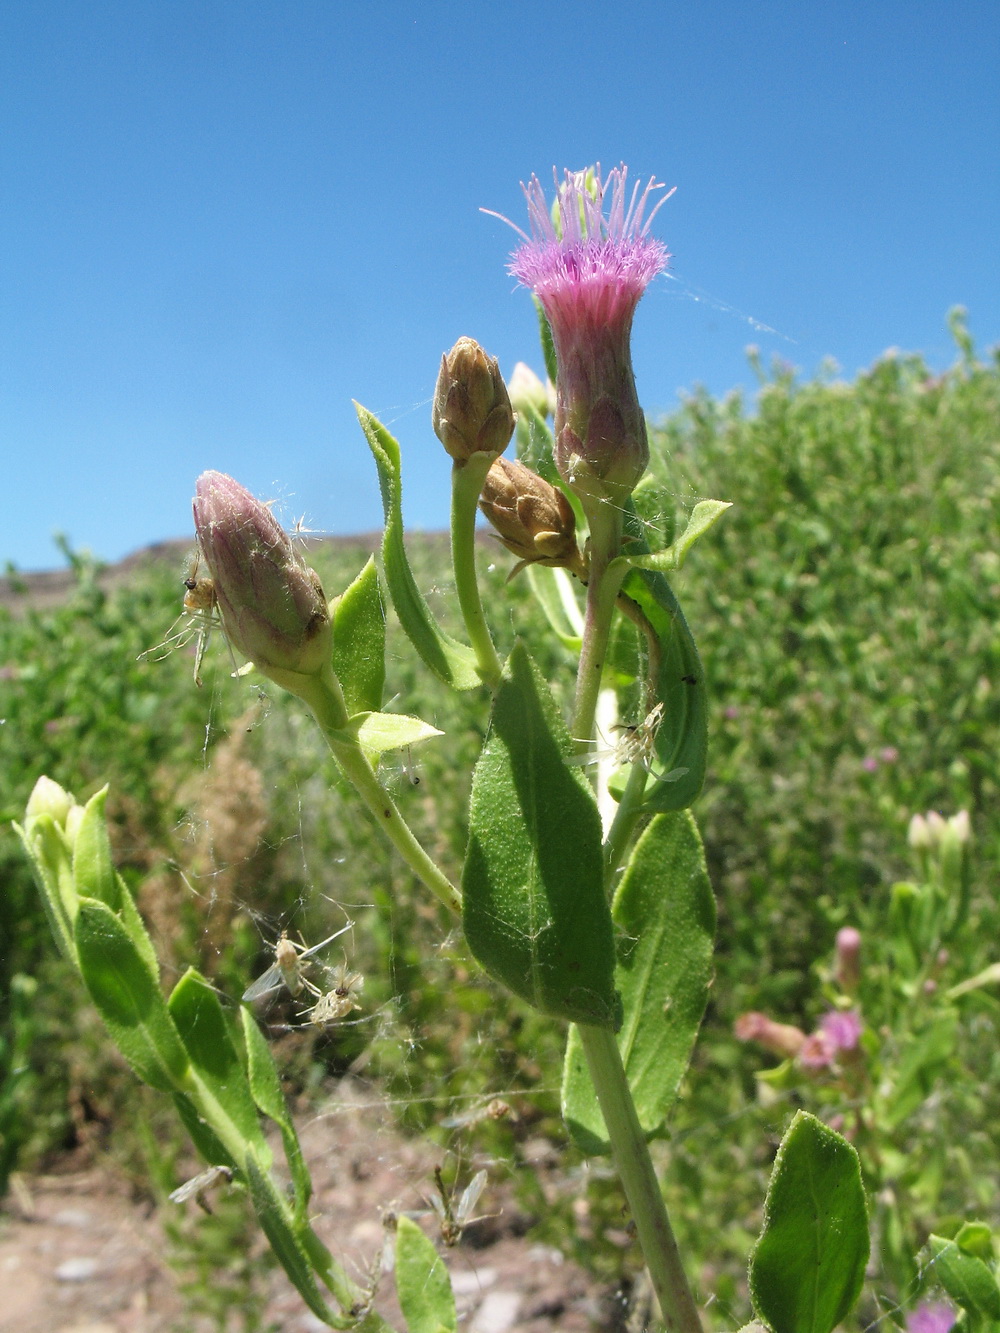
664,915
451,661
277,1227
553,589
199,1018
682,737
93,871
922,1061
965,1278
265,1087
535,913
422,1283
51,861
704,515
359,641
381,732
809,1263
547,341
128,997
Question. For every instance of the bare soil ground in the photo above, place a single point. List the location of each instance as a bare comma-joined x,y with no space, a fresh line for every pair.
78,1253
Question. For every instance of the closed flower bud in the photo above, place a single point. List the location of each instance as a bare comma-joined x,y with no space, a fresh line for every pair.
918,835
527,392
779,1038
272,607
533,518
472,412
48,798
848,968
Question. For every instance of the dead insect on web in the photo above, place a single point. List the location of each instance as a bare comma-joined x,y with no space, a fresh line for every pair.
336,1003
287,969
199,616
454,1219
497,1109
197,1187
636,745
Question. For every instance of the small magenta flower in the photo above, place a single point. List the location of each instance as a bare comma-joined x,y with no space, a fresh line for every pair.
272,607
931,1317
588,266
842,1027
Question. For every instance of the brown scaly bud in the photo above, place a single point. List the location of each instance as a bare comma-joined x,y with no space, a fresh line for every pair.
272,607
472,412
533,519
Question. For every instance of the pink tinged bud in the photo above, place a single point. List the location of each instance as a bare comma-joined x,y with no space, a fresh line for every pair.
527,392
272,607
918,835
817,1051
848,967
589,268
960,827
935,827
780,1038
472,412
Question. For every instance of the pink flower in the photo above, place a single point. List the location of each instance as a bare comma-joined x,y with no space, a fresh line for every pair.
848,968
842,1028
931,1317
817,1051
589,269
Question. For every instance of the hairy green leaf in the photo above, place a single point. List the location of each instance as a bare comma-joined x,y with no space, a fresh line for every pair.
52,864
359,641
535,913
93,871
451,661
808,1266
380,732
422,1283
199,1018
128,997
965,1277
265,1087
664,917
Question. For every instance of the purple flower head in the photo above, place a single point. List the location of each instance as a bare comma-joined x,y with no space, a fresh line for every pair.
588,265
931,1317
842,1028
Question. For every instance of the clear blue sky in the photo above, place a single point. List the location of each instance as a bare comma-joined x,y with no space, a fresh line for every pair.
220,222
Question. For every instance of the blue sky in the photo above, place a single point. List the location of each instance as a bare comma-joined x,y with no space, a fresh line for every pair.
223,221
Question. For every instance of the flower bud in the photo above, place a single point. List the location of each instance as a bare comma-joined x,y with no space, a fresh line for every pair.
918,835
533,518
779,1038
472,412
272,607
48,798
527,392
848,967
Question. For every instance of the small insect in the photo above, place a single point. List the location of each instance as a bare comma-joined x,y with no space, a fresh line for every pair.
199,616
198,1186
454,1220
286,970
635,745
339,1000
497,1109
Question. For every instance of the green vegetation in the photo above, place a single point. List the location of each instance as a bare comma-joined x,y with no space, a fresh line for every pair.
846,612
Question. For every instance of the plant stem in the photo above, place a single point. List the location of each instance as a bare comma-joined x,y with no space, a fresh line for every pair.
635,1168
326,701
605,580
466,486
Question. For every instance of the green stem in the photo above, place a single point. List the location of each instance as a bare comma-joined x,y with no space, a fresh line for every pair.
326,701
466,486
605,581
626,817
642,1189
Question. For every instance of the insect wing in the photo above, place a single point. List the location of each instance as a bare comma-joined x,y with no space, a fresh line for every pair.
266,984
469,1199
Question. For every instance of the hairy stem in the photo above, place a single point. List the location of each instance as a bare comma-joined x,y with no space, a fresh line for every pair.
466,485
635,1168
326,701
